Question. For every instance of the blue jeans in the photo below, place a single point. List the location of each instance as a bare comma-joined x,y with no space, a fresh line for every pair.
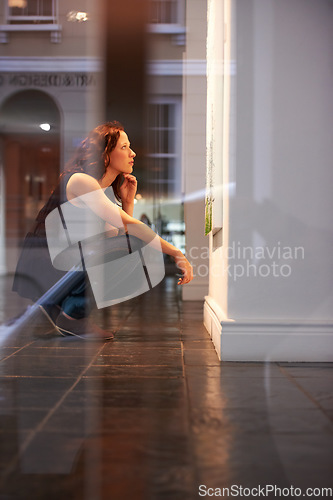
79,300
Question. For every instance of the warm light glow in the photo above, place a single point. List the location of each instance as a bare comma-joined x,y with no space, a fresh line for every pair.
75,16
139,196
45,126
21,4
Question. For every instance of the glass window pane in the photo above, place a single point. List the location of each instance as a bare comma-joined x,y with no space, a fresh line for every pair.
31,8
163,11
46,7
154,12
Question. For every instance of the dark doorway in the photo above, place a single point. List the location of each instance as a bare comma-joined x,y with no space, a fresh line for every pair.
30,133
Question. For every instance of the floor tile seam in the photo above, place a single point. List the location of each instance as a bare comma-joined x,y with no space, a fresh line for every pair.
60,355
17,350
229,376
145,349
208,349
52,377
173,385
141,350
305,366
203,365
152,330
148,377
192,319
319,432
79,359
249,408
313,377
118,328
109,358
137,365
26,408
198,341
305,392
40,426
122,392
191,433
188,410
26,357
69,347
191,323
197,326
183,359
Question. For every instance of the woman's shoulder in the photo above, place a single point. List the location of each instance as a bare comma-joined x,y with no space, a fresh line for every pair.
82,178
81,183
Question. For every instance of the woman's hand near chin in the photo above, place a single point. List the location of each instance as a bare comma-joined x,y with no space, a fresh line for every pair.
186,268
128,188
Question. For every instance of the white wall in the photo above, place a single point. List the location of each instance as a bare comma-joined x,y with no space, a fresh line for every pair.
279,224
284,174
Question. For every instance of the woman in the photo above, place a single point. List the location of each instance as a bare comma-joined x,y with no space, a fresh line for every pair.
104,159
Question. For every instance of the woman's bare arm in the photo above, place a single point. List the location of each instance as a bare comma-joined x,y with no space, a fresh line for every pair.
87,190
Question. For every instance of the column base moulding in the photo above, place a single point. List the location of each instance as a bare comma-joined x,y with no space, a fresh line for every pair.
268,340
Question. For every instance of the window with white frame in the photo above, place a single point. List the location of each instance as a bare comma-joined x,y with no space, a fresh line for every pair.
164,168
168,17
163,148
31,11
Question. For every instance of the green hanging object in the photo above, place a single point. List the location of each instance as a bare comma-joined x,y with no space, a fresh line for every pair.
208,215
209,191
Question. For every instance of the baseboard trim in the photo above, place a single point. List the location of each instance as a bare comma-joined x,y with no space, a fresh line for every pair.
252,340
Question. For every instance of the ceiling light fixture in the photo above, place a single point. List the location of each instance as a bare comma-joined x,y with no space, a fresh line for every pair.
45,126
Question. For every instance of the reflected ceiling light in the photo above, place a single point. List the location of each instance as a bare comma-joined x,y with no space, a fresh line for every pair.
139,196
76,16
45,126
21,4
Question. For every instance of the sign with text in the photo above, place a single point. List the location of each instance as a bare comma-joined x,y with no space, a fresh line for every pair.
75,80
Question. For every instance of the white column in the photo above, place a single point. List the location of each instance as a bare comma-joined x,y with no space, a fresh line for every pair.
276,263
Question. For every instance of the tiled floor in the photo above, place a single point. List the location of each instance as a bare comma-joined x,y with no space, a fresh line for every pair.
154,414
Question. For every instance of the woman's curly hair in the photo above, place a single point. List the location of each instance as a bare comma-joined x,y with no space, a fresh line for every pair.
93,155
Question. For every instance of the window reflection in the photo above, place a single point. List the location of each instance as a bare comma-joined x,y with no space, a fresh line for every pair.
31,10
163,11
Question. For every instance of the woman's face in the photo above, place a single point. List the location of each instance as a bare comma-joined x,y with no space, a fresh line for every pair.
122,157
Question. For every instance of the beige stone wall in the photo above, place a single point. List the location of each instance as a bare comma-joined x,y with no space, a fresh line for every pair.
162,46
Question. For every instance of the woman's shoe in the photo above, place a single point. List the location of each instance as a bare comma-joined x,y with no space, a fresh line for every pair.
51,312
43,320
81,328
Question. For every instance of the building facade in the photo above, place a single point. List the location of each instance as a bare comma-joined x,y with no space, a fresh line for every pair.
52,74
